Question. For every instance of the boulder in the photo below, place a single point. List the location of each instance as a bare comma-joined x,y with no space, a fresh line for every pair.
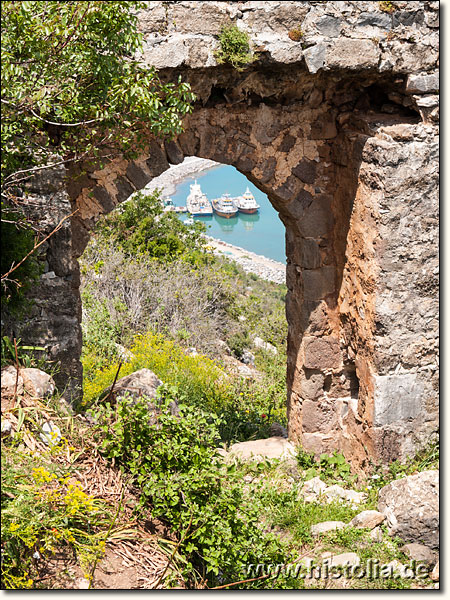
273,447
277,430
37,383
325,527
411,506
140,383
9,375
419,553
367,519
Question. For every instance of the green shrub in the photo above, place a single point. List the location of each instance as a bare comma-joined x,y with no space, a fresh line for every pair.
234,48
176,466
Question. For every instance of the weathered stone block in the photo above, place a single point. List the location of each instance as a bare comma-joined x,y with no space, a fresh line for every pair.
397,398
315,57
352,54
306,170
137,176
104,198
317,220
174,152
427,83
309,254
124,188
318,416
329,26
318,283
321,352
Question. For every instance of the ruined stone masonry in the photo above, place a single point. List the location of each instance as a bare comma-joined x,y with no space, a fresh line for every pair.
340,130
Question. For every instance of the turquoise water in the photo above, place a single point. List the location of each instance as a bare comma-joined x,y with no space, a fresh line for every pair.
262,233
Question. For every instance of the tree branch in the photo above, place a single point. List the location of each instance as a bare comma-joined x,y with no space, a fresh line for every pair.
36,246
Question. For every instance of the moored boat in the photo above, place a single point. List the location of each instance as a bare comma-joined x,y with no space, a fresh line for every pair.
225,206
246,203
197,203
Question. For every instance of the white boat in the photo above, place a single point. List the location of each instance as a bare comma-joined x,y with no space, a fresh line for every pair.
189,221
246,203
225,206
197,203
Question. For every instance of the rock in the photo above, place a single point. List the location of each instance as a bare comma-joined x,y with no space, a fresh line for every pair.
260,343
422,84
51,434
222,452
352,54
325,527
419,553
273,447
329,26
350,559
434,575
6,426
277,430
37,383
314,486
140,383
397,398
336,491
376,535
315,57
9,375
367,519
322,352
248,358
411,506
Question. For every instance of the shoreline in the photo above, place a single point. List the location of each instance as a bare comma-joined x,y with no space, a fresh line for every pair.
265,268
170,179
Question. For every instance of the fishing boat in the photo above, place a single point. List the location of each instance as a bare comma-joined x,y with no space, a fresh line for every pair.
225,206
197,203
247,204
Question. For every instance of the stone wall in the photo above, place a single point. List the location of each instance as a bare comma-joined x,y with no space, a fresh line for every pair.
339,129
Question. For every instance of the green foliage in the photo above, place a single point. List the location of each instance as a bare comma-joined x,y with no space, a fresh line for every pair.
140,227
73,62
26,354
234,48
72,90
329,467
16,243
175,464
42,510
387,7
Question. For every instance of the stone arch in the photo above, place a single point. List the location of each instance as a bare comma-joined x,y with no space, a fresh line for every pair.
331,149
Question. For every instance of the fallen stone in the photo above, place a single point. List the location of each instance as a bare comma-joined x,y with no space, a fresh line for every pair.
140,383
315,486
411,506
271,448
337,492
37,383
376,535
325,527
260,343
248,358
51,434
6,426
434,575
419,553
9,375
350,559
315,57
367,519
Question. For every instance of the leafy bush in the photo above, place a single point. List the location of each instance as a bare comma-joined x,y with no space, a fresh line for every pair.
175,464
234,48
329,467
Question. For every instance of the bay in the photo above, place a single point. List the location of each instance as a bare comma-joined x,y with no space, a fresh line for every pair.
262,233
